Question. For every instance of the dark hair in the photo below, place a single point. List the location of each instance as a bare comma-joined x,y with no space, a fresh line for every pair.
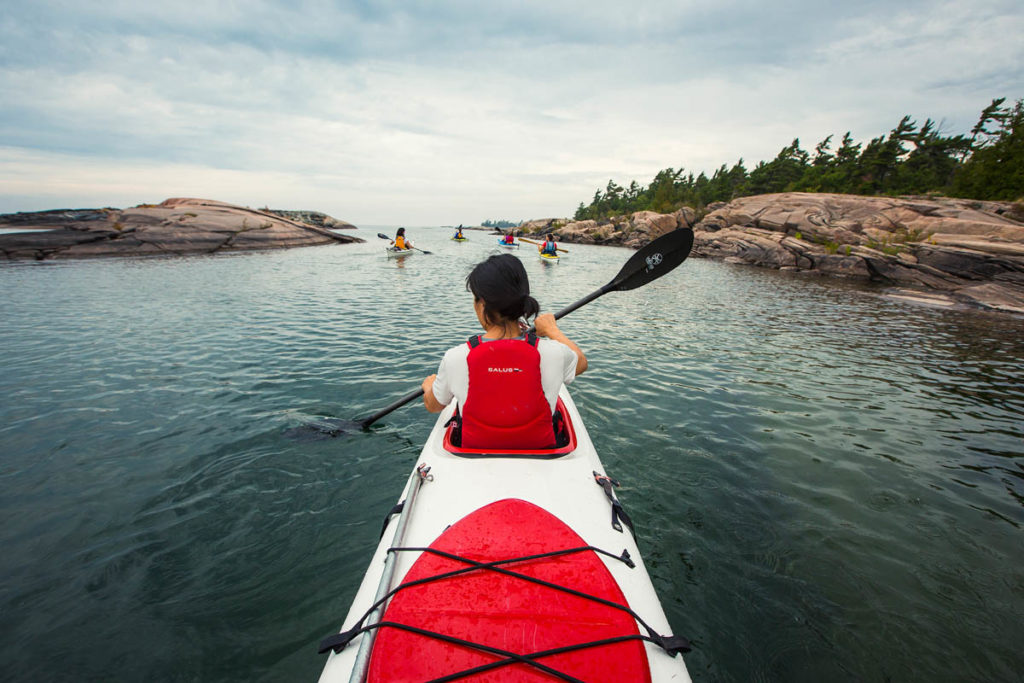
551,236
401,231
501,283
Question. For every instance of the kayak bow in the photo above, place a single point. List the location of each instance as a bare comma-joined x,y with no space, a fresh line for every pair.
519,565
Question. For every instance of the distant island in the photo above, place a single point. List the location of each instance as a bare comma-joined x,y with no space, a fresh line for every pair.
173,227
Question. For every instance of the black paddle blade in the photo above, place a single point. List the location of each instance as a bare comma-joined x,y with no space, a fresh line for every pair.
319,429
657,258
383,236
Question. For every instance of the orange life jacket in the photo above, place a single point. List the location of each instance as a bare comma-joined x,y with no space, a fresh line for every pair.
400,242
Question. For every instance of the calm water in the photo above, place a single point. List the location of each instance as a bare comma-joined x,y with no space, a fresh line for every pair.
828,485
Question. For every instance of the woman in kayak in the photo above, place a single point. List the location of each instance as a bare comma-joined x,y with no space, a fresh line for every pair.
509,239
549,246
400,242
458,232
505,382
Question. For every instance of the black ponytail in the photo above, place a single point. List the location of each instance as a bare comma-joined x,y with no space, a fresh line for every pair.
501,283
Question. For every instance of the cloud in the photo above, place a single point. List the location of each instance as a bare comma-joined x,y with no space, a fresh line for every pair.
389,112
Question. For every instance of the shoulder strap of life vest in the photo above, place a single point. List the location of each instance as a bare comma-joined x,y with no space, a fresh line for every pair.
477,339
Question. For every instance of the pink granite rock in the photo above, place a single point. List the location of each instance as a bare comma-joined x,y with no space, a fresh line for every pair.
175,226
969,251
633,230
939,244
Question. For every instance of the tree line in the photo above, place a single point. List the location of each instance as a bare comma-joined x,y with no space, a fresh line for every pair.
988,163
500,224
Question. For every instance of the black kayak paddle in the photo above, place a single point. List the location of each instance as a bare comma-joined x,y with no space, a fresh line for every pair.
646,265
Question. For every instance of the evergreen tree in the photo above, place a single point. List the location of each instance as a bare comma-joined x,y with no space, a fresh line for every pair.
822,156
993,113
777,175
995,169
909,160
932,163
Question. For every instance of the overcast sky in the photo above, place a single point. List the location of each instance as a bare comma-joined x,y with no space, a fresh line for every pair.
453,111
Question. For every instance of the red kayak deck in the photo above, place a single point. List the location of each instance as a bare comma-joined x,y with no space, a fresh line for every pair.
506,612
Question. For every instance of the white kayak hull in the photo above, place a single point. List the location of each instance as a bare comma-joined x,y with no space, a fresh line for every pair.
565,487
398,253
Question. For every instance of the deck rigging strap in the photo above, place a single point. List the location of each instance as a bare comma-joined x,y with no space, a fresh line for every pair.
397,509
618,512
671,644
340,641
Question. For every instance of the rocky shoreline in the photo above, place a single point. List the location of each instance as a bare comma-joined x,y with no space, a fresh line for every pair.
174,227
940,250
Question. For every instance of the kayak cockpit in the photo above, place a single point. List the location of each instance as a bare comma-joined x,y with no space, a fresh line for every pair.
565,435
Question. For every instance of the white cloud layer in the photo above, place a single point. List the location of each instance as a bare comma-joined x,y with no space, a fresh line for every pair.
454,111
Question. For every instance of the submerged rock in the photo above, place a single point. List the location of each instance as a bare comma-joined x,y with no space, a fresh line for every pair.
174,227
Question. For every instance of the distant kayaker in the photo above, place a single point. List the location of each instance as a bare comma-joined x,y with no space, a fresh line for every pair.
549,246
509,239
504,382
458,232
400,242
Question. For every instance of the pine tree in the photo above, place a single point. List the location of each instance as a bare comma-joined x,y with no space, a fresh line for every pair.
995,169
987,165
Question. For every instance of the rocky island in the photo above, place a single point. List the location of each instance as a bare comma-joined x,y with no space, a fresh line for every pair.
937,249
173,227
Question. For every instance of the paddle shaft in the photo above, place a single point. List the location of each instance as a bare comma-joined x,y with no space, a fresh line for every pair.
582,302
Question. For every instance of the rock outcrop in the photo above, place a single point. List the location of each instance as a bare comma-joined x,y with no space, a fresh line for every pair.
971,251
174,227
957,250
634,230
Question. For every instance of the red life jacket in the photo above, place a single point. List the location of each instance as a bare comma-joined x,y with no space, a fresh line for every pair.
505,403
